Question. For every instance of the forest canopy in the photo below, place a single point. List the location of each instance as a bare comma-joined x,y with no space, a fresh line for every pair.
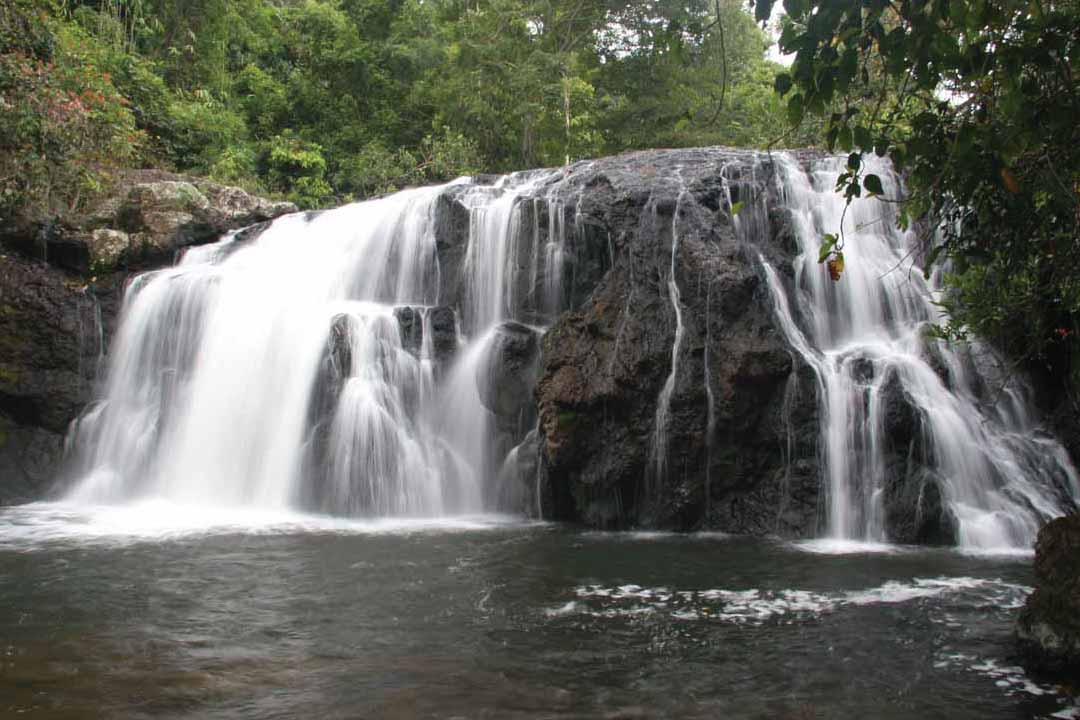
324,101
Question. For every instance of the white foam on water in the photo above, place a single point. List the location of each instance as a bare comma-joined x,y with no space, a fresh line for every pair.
570,608
654,535
756,606
995,553
1011,679
897,592
840,546
37,524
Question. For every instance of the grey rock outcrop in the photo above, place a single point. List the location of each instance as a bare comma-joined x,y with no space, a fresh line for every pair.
915,510
144,219
506,381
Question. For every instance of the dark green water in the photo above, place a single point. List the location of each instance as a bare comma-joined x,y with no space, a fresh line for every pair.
142,614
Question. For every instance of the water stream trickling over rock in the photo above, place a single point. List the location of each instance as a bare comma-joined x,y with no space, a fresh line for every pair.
644,340
920,440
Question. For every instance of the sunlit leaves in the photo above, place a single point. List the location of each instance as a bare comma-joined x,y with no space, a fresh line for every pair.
828,244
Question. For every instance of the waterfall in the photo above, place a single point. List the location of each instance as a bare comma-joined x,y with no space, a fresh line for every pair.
866,340
312,367
663,402
379,359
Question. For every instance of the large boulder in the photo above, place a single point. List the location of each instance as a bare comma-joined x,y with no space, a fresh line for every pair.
1048,628
164,216
684,419
914,502
507,377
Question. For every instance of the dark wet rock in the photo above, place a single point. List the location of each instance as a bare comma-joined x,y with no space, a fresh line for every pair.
519,479
451,243
414,322
507,379
915,509
411,325
338,358
914,504
444,339
606,362
862,369
335,367
49,349
28,460
901,421
1048,629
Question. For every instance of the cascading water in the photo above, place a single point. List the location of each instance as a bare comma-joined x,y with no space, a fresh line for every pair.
663,402
866,335
276,373
361,361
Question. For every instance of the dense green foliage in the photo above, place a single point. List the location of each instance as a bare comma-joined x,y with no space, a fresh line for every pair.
62,118
326,100
977,101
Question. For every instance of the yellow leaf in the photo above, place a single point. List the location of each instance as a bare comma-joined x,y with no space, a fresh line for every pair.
1010,181
836,266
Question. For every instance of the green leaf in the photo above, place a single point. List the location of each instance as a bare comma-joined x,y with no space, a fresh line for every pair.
863,139
844,139
736,208
795,109
872,183
828,242
782,83
903,218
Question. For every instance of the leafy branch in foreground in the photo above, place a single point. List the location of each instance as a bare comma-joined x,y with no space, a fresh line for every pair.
975,102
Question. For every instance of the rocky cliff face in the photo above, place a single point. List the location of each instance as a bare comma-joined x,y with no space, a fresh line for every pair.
668,394
664,417
61,282
50,343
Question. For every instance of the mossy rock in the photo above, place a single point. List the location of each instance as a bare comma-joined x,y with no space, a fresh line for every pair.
1049,625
